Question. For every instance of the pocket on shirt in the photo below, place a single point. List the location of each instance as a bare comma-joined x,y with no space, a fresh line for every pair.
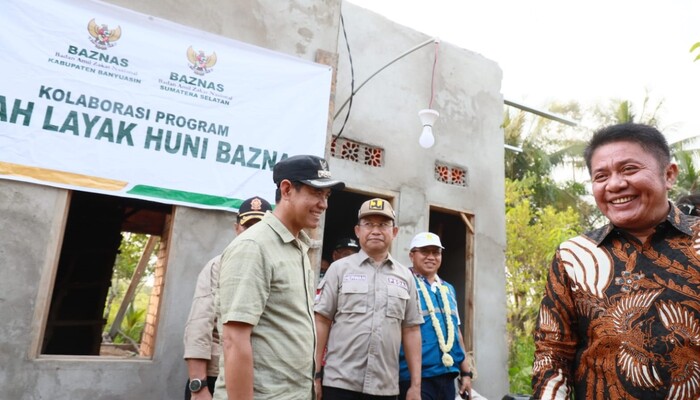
353,297
397,298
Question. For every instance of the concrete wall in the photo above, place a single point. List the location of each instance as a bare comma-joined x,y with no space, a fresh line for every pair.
467,133
30,233
384,114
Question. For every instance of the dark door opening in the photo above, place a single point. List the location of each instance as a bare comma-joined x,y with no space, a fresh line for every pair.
341,218
455,267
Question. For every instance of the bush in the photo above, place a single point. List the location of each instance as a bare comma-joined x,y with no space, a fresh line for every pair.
522,352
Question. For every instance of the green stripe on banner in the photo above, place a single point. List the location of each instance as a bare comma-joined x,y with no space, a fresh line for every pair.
187,197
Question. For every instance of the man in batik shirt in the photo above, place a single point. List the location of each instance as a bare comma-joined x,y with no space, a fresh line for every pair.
620,318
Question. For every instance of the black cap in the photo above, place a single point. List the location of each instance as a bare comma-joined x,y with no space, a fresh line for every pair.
307,169
346,242
253,208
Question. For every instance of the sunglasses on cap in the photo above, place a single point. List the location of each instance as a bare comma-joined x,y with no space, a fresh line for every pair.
689,209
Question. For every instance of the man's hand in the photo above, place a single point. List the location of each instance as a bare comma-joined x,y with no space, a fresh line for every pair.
203,394
465,386
413,393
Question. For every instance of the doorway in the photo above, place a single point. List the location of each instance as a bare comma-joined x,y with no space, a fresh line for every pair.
457,262
341,218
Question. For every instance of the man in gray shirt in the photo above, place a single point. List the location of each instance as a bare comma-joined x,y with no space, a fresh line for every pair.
371,300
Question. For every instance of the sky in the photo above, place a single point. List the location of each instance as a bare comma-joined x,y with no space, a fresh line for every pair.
590,51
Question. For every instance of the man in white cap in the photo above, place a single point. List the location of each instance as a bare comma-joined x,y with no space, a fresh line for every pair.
201,339
443,356
266,291
371,300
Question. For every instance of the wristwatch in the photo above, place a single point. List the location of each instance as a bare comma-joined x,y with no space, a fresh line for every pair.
197,384
462,374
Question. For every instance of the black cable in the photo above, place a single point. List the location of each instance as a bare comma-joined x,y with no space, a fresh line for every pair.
352,79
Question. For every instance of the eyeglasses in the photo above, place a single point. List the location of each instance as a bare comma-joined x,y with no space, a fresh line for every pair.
427,252
372,225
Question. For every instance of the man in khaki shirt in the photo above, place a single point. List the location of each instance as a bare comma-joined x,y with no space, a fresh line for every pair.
266,290
202,345
366,307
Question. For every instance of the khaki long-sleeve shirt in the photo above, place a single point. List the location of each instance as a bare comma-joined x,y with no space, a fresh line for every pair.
201,335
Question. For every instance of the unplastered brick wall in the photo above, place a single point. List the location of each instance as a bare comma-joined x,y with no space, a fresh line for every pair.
149,331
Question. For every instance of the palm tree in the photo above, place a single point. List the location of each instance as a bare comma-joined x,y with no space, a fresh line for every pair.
685,153
542,151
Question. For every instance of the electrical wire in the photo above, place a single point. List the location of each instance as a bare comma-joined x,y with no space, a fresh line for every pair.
432,79
352,79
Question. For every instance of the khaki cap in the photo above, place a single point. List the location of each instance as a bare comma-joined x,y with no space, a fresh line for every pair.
376,207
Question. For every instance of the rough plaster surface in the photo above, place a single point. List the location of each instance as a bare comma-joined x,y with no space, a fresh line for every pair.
467,134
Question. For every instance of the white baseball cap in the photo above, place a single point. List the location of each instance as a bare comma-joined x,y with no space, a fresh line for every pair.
424,239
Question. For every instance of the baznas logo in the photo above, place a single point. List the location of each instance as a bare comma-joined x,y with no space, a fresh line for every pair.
102,36
201,63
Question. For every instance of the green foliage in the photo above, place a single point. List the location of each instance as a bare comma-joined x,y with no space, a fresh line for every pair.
130,251
522,350
685,153
141,300
532,236
618,111
132,325
693,48
545,146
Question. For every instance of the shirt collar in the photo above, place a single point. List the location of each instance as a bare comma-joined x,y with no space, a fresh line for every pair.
675,218
284,233
438,280
390,261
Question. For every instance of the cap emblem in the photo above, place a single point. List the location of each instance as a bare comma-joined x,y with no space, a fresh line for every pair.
376,204
256,204
323,172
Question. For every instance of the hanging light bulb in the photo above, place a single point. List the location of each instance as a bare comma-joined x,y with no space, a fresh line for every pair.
427,118
426,139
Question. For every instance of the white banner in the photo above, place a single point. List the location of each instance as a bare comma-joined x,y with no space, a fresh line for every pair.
98,98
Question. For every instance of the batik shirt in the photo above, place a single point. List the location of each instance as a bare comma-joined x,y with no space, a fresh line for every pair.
620,319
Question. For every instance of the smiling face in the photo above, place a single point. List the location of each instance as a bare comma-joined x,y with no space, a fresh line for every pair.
309,204
301,208
630,187
426,260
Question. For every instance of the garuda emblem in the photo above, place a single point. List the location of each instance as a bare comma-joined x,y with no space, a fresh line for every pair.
101,36
201,63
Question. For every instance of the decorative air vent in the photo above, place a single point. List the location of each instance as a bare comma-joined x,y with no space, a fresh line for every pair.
361,153
450,174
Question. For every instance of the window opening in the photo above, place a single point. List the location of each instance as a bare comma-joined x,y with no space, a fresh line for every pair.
110,268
